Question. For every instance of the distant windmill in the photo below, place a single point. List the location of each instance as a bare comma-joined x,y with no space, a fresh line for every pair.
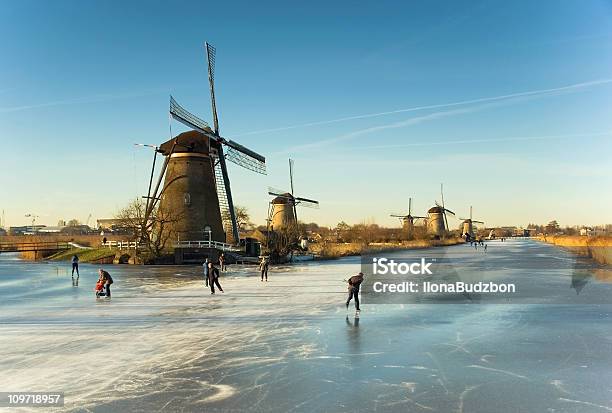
408,220
467,227
282,211
197,186
437,222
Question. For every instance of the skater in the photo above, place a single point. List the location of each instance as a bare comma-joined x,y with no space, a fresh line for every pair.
353,289
222,262
75,265
107,281
213,274
263,267
205,265
485,248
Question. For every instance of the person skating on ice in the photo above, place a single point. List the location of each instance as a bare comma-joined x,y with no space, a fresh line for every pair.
354,283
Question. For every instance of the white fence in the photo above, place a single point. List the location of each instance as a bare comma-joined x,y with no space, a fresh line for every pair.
127,245
122,245
207,244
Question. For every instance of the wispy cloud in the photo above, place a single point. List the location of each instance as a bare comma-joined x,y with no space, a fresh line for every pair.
532,93
485,103
85,99
490,140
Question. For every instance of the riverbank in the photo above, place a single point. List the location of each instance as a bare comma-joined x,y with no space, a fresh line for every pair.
328,250
597,248
321,252
100,255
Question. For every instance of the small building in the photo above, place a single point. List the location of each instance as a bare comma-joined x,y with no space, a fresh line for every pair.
51,229
2,232
26,229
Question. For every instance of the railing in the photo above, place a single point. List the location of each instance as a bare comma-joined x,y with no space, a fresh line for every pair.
207,244
122,245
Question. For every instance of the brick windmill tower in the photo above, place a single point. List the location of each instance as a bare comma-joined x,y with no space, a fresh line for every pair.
282,211
196,183
467,227
437,222
408,220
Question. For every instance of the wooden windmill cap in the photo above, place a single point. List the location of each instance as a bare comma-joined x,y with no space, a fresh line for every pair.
191,141
283,199
434,210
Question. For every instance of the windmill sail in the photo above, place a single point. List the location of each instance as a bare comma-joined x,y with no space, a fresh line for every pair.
226,202
210,56
245,157
188,119
310,203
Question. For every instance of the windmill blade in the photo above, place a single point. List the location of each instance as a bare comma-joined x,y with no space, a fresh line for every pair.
302,199
228,192
210,57
449,211
443,207
188,119
309,203
236,153
306,200
399,216
478,222
415,217
465,219
409,206
277,192
291,174
243,156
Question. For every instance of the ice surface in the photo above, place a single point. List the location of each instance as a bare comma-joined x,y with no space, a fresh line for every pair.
163,343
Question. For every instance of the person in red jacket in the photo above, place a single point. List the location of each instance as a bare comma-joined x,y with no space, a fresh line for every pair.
354,283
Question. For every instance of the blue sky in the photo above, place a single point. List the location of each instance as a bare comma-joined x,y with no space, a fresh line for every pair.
81,81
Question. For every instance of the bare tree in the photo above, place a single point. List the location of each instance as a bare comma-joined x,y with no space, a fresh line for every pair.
243,219
153,235
284,241
74,222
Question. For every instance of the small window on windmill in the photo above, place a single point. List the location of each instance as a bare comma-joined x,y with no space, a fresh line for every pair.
207,233
187,199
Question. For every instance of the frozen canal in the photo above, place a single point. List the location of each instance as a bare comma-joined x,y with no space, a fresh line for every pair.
163,343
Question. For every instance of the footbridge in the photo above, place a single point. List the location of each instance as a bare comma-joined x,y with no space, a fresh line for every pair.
42,246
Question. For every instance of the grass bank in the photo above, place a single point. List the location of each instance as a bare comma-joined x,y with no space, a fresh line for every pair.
331,250
100,255
598,248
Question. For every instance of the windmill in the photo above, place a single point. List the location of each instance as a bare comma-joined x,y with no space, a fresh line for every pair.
408,220
196,186
467,228
437,222
282,210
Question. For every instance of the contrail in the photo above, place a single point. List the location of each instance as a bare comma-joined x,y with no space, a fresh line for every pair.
504,139
87,99
395,125
486,103
531,93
